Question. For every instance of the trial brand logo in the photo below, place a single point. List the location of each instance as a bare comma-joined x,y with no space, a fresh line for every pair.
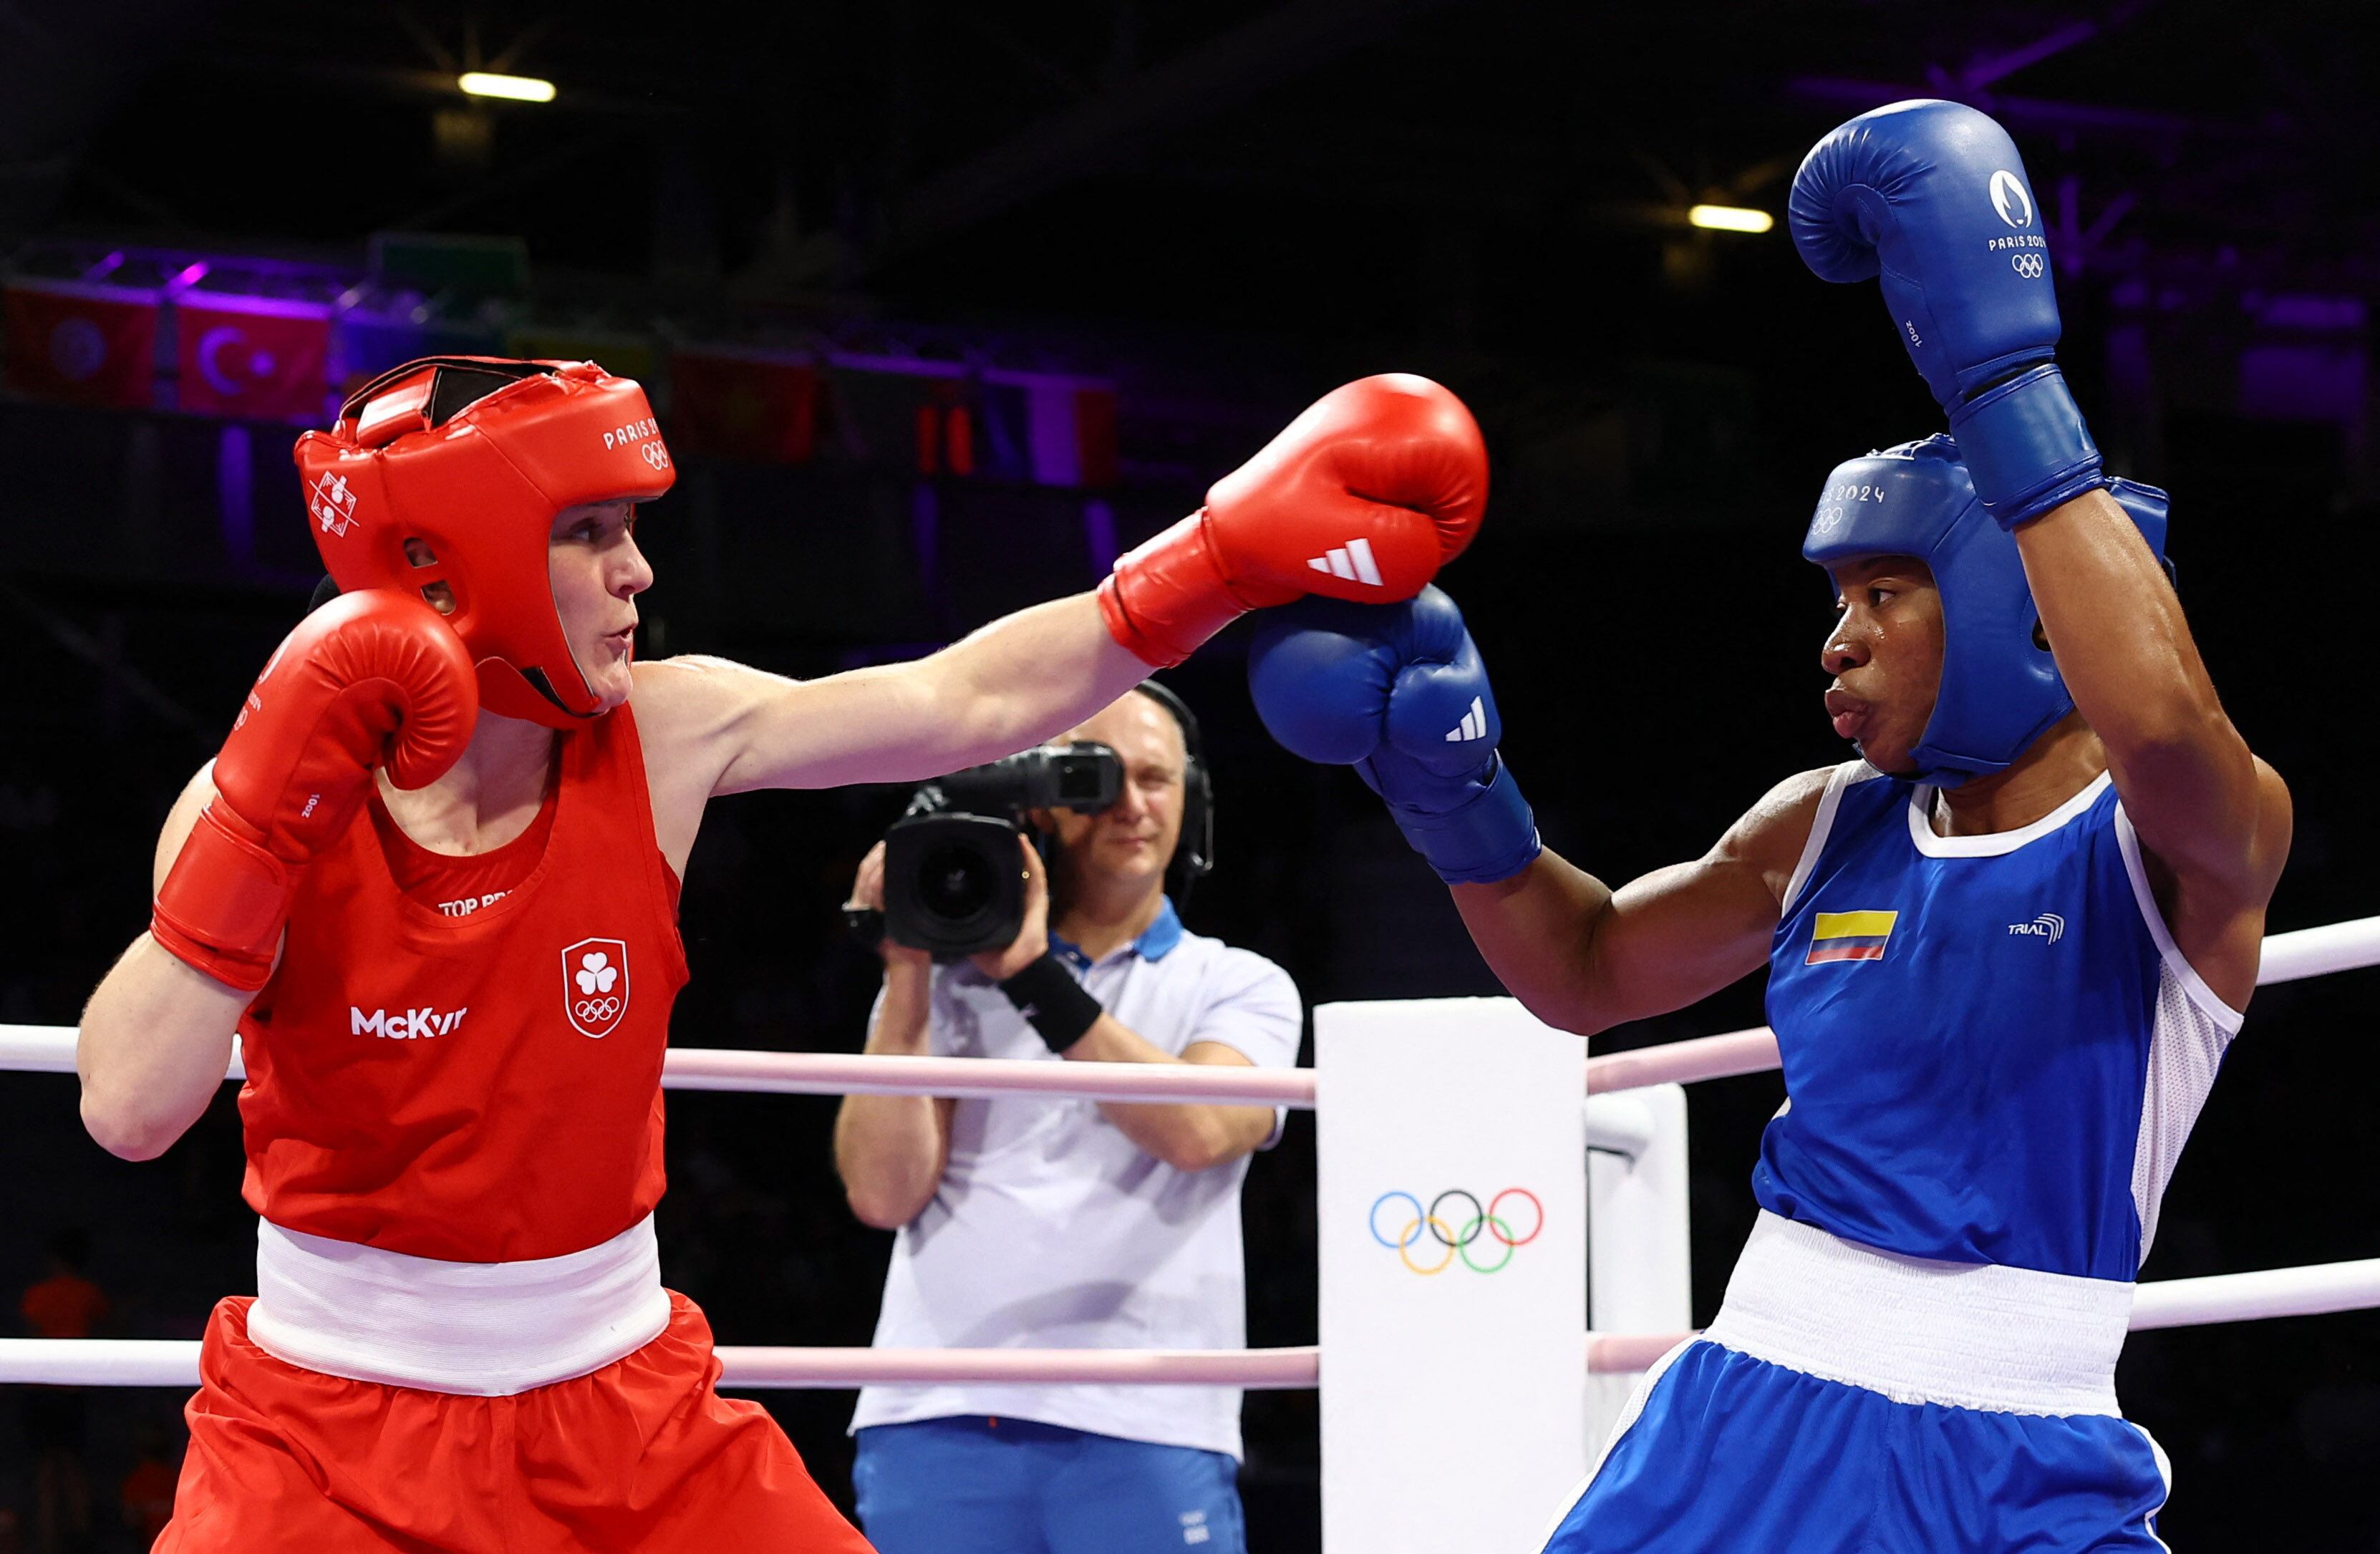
2048,925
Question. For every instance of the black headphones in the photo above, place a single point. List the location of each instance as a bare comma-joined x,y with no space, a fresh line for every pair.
1193,856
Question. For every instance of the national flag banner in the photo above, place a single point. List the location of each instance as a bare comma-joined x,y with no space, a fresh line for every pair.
734,402
81,343
1095,433
1849,936
1068,427
258,357
889,409
621,354
946,422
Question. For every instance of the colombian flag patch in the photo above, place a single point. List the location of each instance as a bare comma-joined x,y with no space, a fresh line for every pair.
1849,936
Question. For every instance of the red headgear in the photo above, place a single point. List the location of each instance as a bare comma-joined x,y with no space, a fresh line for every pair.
450,470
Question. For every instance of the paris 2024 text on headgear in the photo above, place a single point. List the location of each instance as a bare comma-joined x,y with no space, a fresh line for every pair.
450,470
2000,687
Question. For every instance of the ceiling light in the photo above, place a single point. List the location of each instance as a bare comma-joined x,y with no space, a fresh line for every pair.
519,89
1731,218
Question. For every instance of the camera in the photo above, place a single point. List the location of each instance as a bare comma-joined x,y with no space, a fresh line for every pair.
952,882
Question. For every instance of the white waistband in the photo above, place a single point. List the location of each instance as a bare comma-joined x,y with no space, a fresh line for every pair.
489,1329
1968,1335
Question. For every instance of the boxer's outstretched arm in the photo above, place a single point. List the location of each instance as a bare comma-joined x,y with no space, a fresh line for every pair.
1583,957
1402,694
156,1035
1018,681
1389,470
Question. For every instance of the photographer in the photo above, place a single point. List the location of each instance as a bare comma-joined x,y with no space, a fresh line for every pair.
1049,1222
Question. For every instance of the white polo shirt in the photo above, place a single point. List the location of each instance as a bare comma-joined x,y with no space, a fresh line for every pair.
1052,1230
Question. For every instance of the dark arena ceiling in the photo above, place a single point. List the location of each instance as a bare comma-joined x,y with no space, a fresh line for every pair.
1501,176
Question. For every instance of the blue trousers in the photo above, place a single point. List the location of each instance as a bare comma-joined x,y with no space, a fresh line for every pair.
1734,1455
976,1486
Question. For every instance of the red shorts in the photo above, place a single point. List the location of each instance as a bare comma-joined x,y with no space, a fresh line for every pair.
641,1455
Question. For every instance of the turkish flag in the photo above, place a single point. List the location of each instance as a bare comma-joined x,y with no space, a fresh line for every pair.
747,405
86,345
254,357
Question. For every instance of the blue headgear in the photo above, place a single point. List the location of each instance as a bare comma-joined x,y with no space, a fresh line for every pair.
2000,688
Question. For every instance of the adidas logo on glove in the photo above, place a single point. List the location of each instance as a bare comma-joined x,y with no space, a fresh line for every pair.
1354,563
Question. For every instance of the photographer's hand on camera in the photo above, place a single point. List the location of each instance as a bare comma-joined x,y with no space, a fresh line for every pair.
868,895
1049,997
1032,940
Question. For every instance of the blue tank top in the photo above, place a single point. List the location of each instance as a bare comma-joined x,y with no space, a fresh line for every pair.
1992,1049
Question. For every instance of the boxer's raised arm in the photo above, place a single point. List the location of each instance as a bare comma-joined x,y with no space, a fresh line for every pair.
1916,194
2194,794
373,679
156,1035
2213,820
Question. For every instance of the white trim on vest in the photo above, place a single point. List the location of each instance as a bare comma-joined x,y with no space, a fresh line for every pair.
1997,843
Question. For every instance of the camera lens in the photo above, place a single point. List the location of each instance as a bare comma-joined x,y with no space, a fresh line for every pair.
955,881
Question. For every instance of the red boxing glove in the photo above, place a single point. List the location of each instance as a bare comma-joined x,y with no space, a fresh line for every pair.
370,677
1363,497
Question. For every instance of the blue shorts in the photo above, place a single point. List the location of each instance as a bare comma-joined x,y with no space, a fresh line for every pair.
977,1485
1736,1454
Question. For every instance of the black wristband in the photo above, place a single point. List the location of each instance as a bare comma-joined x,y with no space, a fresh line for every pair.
1052,1003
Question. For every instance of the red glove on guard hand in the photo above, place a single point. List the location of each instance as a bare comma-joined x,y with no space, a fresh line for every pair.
1363,497
370,677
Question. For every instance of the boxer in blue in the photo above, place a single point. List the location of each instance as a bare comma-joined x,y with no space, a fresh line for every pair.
2007,947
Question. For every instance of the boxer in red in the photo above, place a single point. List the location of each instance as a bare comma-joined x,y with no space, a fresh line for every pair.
431,883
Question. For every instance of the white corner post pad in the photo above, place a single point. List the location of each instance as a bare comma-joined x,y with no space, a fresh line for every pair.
1452,1229
1640,1265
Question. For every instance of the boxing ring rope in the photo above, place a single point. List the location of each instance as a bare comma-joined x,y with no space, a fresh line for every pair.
2288,957
2175,1303
1620,1128
2294,1291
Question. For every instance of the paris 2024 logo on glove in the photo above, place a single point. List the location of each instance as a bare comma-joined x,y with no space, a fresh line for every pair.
595,986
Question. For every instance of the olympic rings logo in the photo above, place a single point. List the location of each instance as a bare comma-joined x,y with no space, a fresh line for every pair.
2026,264
1426,1228
655,454
594,1011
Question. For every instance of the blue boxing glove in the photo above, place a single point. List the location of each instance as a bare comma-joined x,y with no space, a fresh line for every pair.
1931,199
1398,692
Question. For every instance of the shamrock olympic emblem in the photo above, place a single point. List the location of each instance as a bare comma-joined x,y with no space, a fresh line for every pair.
596,974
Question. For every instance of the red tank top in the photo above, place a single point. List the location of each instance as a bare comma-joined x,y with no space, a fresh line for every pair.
483,1085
